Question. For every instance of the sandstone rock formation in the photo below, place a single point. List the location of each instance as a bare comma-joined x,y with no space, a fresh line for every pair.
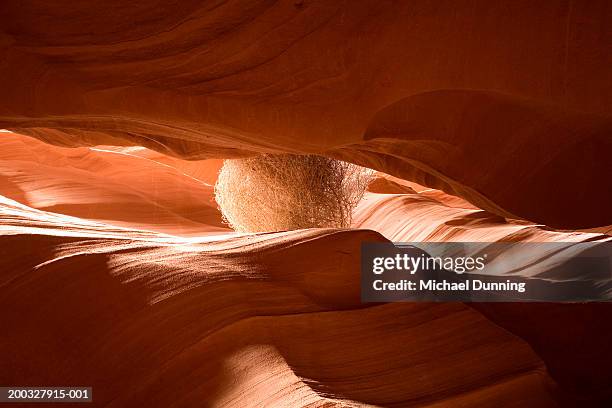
489,122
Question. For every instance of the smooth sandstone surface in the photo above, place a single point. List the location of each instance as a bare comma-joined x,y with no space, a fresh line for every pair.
489,122
128,186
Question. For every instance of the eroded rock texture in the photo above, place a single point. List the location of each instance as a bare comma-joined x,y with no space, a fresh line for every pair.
116,270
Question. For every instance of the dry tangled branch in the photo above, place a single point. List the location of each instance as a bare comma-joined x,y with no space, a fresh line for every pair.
285,192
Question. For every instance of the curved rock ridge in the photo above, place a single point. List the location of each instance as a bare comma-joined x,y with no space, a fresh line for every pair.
242,321
493,102
433,216
502,154
251,320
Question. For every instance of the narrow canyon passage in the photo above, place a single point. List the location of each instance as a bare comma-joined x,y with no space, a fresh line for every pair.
135,240
479,121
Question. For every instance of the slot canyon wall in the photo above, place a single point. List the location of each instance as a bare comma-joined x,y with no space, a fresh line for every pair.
487,121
